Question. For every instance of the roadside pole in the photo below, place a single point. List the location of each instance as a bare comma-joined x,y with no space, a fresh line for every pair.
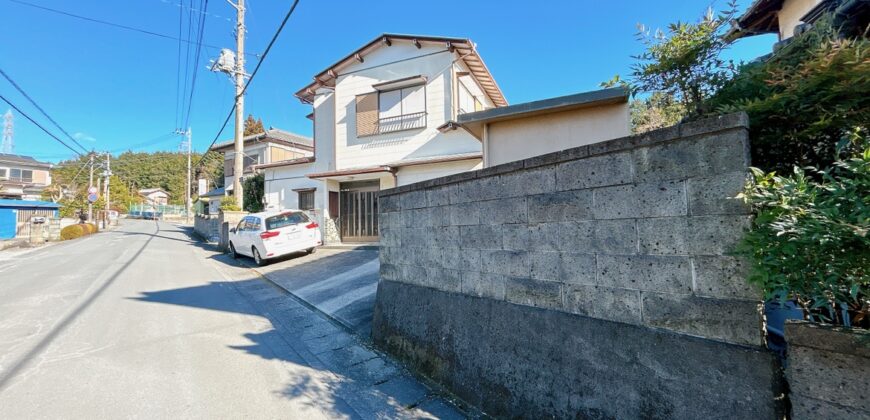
108,176
189,147
91,185
238,162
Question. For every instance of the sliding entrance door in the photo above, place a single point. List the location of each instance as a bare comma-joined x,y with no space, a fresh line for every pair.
358,211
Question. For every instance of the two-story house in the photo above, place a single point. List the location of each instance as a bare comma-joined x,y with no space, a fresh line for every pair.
23,177
384,116
788,18
273,145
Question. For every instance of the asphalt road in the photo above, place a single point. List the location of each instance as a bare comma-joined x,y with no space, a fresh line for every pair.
144,322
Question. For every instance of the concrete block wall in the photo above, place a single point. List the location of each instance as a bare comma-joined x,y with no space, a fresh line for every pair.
588,283
635,230
828,371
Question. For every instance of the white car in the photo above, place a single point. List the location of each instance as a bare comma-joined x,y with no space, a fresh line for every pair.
271,234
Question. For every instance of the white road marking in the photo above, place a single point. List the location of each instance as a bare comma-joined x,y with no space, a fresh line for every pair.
335,304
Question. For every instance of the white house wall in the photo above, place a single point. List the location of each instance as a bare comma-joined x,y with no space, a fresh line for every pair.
435,64
324,130
281,181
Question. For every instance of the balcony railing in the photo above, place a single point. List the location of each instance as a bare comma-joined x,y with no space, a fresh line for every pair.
402,122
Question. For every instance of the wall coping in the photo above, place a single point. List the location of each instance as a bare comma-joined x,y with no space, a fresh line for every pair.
851,341
737,120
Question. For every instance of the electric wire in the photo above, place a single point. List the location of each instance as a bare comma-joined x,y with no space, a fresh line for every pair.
38,125
204,6
116,25
20,90
250,79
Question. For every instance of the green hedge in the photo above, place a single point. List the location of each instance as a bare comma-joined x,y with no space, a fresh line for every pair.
77,231
810,241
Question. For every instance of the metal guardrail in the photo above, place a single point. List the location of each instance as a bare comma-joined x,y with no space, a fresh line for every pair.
402,122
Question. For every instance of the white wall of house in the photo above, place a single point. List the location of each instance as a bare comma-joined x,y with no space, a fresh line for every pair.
433,62
790,15
281,181
411,174
521,138
324,130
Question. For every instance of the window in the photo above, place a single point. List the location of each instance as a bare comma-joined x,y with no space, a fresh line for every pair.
3,173
286,219
21,175
391,110
467,101
306,200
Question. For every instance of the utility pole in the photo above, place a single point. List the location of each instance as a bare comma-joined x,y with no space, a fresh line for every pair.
108,176
91,185
189,134
238,162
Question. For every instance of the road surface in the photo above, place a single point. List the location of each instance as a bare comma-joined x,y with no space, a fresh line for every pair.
144,322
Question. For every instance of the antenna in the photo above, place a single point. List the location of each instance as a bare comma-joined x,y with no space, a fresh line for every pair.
8,145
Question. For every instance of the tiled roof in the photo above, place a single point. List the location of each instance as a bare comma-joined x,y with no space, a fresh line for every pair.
27,160
272,135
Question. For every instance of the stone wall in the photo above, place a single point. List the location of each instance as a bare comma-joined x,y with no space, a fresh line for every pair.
621,244
828,371
207,226
226,221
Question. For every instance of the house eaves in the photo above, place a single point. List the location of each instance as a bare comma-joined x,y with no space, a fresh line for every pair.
464,47
275,136
290,162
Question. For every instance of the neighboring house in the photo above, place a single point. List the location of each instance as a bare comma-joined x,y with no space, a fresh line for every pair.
384,115
15,216
23,177
787,18
155,196
530,129
271,146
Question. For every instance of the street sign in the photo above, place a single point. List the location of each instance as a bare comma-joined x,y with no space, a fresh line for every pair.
92,190
92,197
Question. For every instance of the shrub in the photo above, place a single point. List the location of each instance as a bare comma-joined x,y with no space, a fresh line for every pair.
810,240
803,100
72,232
229,204
77,231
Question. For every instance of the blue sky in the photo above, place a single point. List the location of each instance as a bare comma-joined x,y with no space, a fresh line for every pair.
116,89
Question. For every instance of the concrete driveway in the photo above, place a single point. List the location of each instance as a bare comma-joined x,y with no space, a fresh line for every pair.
338,282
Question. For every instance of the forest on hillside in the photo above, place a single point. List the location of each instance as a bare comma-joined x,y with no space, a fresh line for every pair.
132,171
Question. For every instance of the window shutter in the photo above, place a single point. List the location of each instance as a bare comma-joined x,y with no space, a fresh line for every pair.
367,114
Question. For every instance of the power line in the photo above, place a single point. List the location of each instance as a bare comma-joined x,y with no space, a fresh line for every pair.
20,90
38,125
250,79
116,25
196,64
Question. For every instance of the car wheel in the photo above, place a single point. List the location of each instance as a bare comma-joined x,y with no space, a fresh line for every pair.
233,252
310,251
257,258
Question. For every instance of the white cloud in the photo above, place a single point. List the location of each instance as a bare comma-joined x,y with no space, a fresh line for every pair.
84,137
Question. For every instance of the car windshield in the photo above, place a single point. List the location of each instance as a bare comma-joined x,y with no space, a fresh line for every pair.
285,219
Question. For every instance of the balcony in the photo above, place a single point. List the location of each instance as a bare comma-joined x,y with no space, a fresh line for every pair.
401,123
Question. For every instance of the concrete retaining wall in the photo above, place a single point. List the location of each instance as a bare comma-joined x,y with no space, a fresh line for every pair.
828,371
207,226
620,245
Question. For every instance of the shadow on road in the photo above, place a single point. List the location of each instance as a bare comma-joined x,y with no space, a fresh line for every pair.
330,370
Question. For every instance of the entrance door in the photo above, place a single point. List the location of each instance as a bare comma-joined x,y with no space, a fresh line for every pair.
358,211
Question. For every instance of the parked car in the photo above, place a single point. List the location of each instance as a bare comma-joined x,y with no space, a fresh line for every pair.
271,234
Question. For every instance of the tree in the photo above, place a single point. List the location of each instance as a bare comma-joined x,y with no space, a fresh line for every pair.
679,69
253,126
254,192
685,62
805,100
